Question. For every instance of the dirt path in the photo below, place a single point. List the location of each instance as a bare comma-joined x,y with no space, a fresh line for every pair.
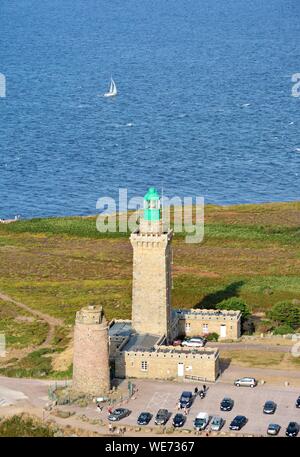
51,321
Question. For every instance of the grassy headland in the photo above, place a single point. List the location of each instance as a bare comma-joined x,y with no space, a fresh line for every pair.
58,265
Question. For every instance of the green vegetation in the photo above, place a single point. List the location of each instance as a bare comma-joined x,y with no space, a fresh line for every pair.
285,314
70,226
212,337
235,304
20,328
37,364
283,330
250,254
24,426
260,359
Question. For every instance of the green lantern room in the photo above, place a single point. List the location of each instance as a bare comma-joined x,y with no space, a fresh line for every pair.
151,220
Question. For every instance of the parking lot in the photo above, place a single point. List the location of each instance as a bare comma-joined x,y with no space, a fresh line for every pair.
153,395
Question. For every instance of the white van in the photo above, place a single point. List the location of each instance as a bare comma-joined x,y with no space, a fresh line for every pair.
201,421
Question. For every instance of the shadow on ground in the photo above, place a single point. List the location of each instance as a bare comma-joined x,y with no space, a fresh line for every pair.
224,364
211,300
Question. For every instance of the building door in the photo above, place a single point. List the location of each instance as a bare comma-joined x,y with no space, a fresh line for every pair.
112,369
223,331
180,369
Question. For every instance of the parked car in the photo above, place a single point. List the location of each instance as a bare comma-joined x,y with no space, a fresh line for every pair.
216,423
118,414
269,407
246,382
162,417
226,404
177,342
298,402
186,400
238,422
144,418
292,429
201,421
273,429
178,420
193,342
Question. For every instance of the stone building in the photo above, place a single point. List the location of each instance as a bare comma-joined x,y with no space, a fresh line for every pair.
142,347
167,362
193,322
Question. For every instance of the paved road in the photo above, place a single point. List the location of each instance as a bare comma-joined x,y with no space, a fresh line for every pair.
34,391
251,346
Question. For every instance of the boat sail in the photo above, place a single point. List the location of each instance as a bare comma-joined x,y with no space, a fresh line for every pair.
112,89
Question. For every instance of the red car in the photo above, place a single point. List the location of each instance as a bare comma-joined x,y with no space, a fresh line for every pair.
177,342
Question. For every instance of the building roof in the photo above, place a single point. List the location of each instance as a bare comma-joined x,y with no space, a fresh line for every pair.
120,328
209,312
138,342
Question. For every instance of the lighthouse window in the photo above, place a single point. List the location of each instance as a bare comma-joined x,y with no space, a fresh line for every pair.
144,365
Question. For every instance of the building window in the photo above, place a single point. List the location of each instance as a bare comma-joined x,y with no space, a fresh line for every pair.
144,365
187,327
205,328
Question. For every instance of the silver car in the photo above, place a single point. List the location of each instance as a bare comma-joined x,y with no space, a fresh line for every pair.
273,429
245,382
216,423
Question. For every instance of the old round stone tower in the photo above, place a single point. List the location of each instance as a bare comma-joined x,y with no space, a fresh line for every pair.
91,373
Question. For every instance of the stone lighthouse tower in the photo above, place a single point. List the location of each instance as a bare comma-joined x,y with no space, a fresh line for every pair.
91,373
152,258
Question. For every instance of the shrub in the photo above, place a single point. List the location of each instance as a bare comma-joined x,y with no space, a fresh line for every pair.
235,304
22,426
212,336
285,313
265,326
283,330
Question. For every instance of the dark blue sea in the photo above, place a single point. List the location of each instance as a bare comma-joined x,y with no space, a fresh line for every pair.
205,103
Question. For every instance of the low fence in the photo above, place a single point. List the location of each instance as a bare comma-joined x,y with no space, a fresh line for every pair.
69,398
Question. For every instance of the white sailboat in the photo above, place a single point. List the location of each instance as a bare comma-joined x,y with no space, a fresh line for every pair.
112,89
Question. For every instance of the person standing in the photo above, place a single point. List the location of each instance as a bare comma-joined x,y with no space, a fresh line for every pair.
99,407
196,391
